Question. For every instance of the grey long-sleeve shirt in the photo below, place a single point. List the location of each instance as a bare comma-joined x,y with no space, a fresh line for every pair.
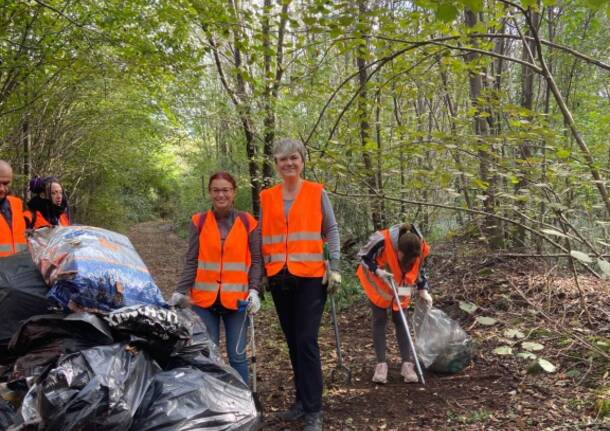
189,271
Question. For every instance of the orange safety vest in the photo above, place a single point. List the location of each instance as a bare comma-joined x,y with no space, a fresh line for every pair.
40,221
378,291
12,238
294,241
222,268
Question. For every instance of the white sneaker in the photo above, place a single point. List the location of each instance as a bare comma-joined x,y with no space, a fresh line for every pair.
407,371
381,373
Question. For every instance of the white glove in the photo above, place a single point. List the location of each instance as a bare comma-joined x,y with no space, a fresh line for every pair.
334,281
254,302
383,274
426,297
179,300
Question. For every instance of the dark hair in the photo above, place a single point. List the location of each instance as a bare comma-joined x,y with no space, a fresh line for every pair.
222,175
409,244
40,185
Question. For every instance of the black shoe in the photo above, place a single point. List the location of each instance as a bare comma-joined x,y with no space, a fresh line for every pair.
313,422
295,412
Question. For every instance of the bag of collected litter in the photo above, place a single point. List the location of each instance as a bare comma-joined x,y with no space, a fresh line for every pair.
23,294
41,340
157,330
149,321
441,344
97,389
200,341
188,398
92,269
8,416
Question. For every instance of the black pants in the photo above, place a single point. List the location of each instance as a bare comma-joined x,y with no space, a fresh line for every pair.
299,302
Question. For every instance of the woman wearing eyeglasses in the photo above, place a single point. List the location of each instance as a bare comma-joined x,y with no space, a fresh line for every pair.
223,267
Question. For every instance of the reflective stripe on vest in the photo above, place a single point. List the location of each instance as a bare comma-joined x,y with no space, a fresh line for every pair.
222,267
293,241
383,293
12,238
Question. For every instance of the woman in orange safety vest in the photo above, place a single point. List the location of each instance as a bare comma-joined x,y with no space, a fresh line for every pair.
296,220
223,267
49,204
397,252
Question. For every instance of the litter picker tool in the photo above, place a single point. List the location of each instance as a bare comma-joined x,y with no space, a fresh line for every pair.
406,325
341,370
242,305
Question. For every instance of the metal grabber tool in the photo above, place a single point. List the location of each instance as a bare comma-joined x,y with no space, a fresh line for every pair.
406,325
341,370
242,305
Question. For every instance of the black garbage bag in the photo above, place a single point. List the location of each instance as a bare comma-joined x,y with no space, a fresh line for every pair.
97,389
41,340
154,329
8,416
200,340
23,294
150,322
187,398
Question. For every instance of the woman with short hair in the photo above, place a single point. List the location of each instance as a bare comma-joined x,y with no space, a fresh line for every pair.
297,219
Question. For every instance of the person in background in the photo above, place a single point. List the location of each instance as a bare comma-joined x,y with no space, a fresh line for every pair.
12,220
397,252
49,204
296,219
223,266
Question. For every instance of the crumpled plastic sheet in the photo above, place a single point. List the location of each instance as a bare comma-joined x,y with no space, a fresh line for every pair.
92,269
97,389
200,341
441,344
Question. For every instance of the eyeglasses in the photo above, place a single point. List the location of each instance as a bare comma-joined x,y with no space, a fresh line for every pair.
221,191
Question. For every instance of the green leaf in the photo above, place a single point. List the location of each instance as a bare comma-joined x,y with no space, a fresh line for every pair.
526,355
503,350
546,365
468,307
531,346
447,12
487,321
554,232
604,266
513,333
583,257
474,5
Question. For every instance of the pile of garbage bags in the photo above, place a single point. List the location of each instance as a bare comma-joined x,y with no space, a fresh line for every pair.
440,343
119,365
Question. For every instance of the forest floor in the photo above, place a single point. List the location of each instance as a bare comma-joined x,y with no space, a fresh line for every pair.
528,299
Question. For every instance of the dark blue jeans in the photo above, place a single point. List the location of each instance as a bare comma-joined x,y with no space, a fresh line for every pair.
233,321
299,302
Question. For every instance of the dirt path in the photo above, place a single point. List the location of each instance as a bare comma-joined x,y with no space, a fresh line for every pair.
493,393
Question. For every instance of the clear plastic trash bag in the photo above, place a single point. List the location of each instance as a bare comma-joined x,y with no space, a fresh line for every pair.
441,344
92,269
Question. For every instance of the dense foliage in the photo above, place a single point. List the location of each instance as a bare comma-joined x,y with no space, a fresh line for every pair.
479,118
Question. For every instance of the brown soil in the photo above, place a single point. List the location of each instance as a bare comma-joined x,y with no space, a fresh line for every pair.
493,393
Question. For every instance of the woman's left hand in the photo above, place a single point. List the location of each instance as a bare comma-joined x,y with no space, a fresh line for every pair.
334,281
254,302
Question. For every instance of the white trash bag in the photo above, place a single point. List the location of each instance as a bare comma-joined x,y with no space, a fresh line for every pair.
441,344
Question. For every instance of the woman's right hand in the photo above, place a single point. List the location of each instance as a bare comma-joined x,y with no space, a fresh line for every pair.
179,300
